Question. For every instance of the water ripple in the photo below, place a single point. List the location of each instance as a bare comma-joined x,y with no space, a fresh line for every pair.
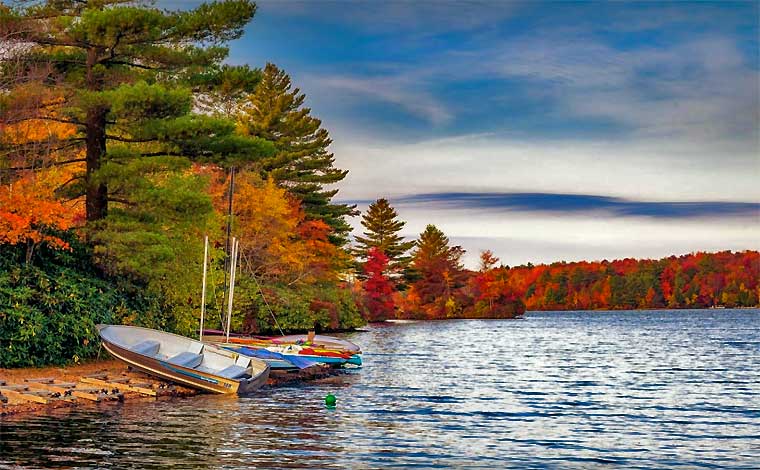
664,389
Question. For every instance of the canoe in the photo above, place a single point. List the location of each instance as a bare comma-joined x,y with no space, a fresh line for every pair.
323,341
183,360
293,354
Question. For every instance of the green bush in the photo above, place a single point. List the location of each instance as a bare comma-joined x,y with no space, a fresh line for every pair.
50,306
322,307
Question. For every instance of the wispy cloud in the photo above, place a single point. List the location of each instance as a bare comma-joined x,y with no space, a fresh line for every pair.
699,89
585,204
419,17
396,90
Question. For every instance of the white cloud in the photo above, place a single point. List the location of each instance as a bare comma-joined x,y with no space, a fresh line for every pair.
699,90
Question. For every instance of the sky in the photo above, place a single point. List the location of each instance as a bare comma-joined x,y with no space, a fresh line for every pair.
542,131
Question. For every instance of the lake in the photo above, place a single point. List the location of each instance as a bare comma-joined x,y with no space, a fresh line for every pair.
554,390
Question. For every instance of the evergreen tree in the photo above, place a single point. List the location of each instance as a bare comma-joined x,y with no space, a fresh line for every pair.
433,244
302,162
124,77
382,227
440,271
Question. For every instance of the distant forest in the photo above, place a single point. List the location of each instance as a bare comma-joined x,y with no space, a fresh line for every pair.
698,280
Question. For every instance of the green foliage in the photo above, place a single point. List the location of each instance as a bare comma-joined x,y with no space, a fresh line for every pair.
320,307
49,308
221,90
126,74
302,162
382,227
157,241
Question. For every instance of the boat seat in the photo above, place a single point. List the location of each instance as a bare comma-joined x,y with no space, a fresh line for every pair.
237,370
195,347
146,348
186,359
232,372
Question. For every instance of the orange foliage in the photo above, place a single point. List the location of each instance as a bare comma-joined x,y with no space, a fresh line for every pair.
28,206
276,240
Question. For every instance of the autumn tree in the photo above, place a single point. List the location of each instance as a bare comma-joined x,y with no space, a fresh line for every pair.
382,227
289,269
441,272
124,75
302,162
487,260
277,242
30,215
378,288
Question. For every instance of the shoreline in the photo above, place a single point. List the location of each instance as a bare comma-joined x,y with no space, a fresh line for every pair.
14,406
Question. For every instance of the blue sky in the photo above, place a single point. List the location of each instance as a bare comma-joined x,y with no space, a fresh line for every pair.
543,131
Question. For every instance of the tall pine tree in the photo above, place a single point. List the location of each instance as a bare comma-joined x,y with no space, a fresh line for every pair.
302,162
124,76
382,232
440,272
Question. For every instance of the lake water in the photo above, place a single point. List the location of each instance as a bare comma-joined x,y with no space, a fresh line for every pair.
554,390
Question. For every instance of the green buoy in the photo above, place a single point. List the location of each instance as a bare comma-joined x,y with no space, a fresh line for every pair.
330,401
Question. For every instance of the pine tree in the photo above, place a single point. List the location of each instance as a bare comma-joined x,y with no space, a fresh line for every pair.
125,77
382,227
302,162
433,244
440,271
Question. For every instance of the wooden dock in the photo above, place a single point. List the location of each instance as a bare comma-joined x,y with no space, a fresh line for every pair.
101,382
98,387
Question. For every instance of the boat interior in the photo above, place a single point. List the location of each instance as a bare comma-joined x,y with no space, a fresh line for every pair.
183,352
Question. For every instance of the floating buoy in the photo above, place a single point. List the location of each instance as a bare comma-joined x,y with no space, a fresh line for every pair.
330,400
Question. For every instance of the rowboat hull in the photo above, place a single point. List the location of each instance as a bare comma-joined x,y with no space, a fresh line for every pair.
190,377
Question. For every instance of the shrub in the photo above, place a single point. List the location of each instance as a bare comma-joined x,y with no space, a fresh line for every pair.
50,306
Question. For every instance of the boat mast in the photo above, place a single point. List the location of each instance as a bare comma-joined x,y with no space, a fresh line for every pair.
228,247
203,289
233,269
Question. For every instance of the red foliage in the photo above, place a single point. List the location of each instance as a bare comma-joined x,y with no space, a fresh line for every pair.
378,288
696,280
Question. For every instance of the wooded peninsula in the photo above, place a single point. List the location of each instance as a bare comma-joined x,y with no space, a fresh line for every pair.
125,139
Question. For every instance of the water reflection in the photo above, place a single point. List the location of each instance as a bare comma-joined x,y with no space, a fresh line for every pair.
636,389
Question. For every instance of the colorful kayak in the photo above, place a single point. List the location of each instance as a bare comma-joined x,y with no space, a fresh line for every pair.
293,353
325,356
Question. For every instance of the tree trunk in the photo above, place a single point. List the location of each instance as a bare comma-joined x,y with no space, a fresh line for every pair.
96,199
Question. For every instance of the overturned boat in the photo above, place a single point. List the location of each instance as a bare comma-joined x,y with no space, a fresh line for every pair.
183,360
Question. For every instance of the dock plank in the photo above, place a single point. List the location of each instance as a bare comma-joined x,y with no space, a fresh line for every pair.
124,387
24,396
